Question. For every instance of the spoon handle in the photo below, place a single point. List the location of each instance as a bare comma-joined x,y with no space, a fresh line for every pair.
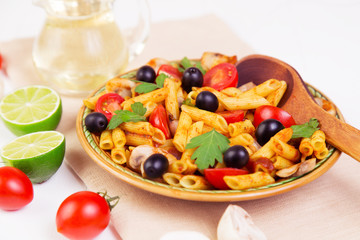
339,134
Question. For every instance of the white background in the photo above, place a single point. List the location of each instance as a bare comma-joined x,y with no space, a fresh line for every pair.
320,38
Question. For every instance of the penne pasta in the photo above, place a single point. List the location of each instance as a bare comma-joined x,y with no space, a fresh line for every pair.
285,150
267,151
305,147
241,127
243,102
317,140
194,182
106,141
173,179
194,130
232,92
177,167
155,96
91,101
275,97
118,155
135,139
118,137
243,139
265,88
252,180
211,119
159,136
180,136
322,153
142,128
281,163
171,100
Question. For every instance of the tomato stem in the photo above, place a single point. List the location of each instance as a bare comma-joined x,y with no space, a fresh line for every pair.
112,201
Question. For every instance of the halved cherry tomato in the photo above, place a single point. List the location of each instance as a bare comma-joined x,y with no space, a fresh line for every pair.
215,176
160,120
265,112
108,103
170,71
232,116
221,76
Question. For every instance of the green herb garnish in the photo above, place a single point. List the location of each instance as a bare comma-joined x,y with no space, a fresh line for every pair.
211,146
188,102
121,116
305,130
145,87
186,63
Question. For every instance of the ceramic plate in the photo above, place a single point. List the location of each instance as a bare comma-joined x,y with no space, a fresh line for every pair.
102,158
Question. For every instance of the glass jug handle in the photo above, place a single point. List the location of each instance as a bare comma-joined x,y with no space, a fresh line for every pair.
137,36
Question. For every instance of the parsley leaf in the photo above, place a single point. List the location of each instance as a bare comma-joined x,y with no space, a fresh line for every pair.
145,87
160,80
211,146
306,129
186,63
138,108
127,116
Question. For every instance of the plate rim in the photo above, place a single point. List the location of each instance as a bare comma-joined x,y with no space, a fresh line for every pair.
201,195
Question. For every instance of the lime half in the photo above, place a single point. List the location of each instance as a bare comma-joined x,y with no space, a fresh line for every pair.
39,155
31,109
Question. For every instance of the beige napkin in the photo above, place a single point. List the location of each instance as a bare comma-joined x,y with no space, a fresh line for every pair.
327,208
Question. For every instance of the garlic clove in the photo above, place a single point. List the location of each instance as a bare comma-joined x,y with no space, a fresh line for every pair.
236,224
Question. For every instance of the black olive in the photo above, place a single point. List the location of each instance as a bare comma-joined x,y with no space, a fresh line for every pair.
236,157
267,129
207,101
156,165
146,74
192,77
96,122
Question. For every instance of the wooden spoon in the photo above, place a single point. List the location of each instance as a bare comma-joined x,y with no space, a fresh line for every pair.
298,102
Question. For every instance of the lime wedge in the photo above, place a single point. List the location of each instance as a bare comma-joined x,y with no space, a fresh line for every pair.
31,109
39,155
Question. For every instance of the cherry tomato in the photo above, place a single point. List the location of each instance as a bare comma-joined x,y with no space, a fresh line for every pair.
1,62
265,112
170,71
83,215
160,120
215,176
16,189
221,76
108,103
232,116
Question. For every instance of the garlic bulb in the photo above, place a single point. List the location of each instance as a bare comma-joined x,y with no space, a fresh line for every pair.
236,224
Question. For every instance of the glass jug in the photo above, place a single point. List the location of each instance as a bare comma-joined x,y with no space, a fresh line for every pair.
81,46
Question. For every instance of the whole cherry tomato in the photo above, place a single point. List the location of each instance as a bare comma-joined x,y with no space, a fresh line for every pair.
160,120
169,71
221,76
232,116
265,112
215,176
83,215
108,103
16,189
1,62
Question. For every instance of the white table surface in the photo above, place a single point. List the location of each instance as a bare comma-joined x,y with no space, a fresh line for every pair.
320,38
